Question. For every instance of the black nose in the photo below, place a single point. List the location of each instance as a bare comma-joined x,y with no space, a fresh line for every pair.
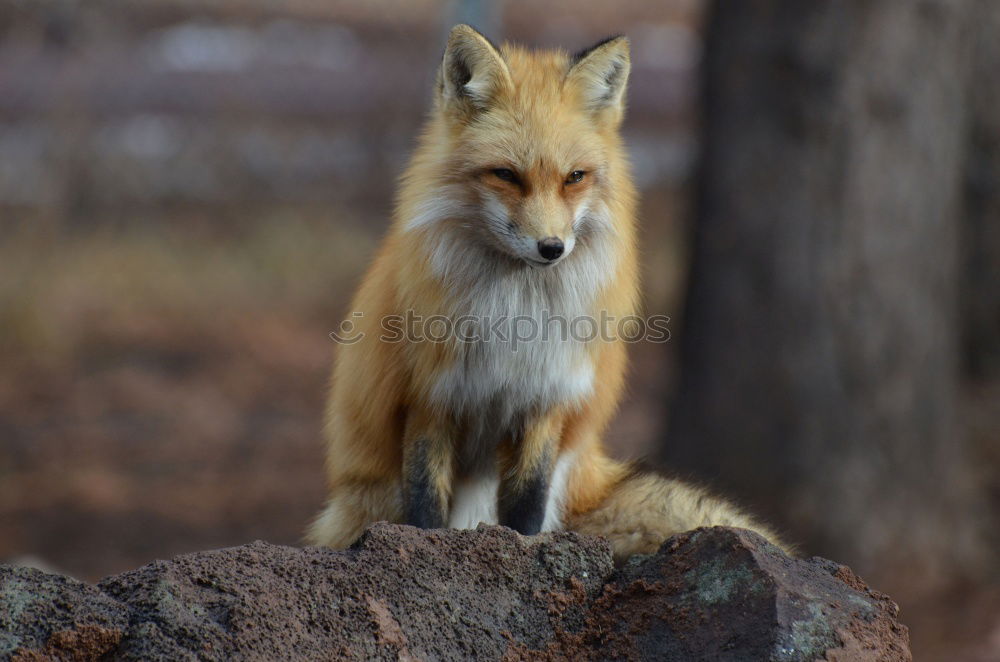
550,248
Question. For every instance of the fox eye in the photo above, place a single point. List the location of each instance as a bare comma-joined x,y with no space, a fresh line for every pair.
505,174
575,177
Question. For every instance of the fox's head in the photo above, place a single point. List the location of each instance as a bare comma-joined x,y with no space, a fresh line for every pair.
522,154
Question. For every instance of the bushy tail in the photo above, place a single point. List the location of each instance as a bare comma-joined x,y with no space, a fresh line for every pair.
643,509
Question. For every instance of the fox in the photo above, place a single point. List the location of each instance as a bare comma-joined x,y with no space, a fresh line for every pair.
517,204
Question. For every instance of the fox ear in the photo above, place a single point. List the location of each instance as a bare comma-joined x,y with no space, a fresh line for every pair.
472,72
600,74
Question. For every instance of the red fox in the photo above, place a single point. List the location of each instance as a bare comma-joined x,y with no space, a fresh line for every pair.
518,205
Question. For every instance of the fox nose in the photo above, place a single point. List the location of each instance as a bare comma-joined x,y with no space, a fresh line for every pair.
550,248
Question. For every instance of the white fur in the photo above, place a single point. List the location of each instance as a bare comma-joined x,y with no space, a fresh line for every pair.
474,501
440,204
557,492
488,285
480,88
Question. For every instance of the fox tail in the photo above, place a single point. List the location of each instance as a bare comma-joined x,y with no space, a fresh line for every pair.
642,509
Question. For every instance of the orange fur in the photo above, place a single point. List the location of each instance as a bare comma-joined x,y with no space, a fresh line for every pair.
495,173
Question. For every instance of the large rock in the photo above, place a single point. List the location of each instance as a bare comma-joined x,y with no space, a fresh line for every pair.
406,594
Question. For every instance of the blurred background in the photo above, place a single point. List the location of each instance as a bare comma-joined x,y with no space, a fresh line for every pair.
189,192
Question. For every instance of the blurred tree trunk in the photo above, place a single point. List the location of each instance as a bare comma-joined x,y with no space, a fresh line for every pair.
981,231
819,344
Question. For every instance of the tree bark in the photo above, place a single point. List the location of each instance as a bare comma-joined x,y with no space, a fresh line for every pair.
980,243
819,343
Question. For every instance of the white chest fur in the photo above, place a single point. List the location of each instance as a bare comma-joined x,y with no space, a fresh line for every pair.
528,349
509,378
534,353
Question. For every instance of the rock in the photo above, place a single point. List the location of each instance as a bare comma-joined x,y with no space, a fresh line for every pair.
406,594
46,617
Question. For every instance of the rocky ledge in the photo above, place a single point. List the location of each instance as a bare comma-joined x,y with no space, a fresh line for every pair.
406,594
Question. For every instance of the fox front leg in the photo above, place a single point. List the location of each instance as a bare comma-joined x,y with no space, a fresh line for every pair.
526,476
427,474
